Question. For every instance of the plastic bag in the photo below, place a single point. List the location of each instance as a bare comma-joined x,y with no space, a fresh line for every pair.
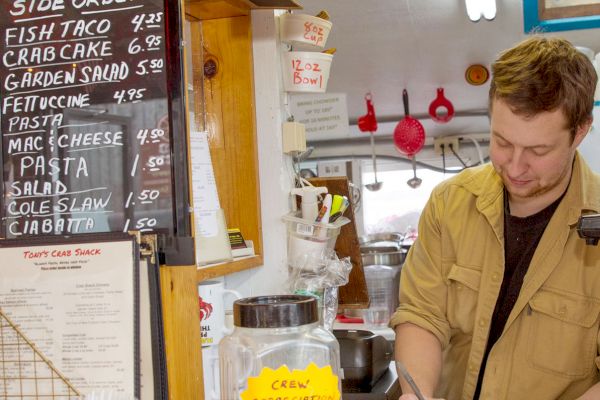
320,275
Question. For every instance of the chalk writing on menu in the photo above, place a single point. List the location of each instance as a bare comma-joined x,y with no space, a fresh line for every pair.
84,117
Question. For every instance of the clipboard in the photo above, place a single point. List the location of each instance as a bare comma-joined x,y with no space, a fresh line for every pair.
78,303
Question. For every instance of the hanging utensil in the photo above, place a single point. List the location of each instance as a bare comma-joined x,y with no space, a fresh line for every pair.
374,186
414,182
409,134
368,123
441,102
409,137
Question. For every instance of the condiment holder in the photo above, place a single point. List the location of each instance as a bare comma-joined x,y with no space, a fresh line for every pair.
306,238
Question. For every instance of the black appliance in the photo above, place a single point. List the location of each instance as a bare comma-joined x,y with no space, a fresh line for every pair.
365,361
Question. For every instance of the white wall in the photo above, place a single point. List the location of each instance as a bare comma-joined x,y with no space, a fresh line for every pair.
275,169
590,146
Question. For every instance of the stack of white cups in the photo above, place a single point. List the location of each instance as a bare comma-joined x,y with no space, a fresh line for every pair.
212,295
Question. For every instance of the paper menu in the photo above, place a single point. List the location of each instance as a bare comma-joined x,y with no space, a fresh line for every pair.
204,187
76,304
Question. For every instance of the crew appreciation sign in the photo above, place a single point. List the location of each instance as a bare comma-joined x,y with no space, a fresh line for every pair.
83,102
312,383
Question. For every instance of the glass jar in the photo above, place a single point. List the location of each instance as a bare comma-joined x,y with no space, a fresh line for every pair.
278,349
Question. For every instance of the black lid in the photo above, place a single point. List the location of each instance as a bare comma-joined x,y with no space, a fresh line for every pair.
280,311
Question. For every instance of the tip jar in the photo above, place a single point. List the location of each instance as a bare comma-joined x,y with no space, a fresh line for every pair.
278,349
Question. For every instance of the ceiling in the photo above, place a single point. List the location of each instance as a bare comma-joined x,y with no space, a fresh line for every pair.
384,46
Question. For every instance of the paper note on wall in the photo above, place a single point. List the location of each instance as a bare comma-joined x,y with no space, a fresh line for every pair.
324,115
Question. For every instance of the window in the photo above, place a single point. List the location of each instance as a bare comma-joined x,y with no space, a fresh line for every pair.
396,207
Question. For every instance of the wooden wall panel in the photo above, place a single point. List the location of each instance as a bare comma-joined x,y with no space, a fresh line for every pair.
181,322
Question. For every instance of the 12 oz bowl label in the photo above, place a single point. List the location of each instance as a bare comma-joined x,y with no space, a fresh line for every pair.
312,383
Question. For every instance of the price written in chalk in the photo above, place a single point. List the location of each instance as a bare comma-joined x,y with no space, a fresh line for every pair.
147,21
146,196
150,135
151,66
149,43
132,95
144,224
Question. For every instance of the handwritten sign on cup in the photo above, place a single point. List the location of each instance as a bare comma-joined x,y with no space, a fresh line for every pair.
306,71
302,29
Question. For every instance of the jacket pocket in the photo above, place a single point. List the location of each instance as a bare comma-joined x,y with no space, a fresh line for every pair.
463,291
563,334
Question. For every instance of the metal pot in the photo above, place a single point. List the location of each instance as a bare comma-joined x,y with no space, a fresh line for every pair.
384,242
383,257
384,238
381,249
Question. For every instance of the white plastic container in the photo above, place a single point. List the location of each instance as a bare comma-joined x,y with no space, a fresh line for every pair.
304,29
278,350
306,71
309,239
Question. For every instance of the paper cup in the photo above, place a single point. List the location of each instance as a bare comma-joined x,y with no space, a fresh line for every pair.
305,71
304,29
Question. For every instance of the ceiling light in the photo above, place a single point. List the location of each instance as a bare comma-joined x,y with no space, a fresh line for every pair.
478,8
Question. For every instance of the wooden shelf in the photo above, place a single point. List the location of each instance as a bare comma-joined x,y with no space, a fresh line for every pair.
213,9
213,271
223,105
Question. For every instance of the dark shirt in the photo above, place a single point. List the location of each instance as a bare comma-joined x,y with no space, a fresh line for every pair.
521,238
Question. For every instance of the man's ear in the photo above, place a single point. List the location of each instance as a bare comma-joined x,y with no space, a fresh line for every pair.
582,131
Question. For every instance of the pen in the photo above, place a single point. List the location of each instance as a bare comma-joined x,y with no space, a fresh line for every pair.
325,210
410,380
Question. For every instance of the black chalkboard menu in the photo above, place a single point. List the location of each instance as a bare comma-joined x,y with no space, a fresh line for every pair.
92,118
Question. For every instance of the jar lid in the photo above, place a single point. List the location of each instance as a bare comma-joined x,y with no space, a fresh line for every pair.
280,311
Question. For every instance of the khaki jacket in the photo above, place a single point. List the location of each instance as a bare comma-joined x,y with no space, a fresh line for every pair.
450,281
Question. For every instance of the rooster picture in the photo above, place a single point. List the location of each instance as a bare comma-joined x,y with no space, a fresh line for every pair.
205,309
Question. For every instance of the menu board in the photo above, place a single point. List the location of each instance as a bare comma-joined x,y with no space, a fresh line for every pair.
91,117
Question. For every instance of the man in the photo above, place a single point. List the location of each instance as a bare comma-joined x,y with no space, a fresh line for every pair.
500,298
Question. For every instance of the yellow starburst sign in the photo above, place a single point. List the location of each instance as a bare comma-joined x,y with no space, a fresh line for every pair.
312,383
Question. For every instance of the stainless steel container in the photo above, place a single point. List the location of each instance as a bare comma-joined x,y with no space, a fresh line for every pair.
382,249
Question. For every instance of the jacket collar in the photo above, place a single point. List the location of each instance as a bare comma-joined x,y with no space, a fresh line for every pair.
583,194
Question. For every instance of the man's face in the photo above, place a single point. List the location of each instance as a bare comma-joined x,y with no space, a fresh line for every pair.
532,155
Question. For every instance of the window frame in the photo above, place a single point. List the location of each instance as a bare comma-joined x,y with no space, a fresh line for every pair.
560,18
